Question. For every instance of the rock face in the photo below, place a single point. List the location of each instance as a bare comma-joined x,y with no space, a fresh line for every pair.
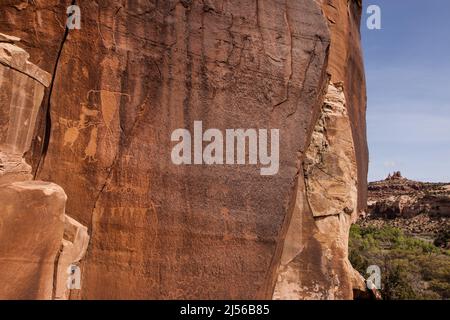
22,86
32,226
399,197
74,245
32,213
134,73
332,190
330,201
418,208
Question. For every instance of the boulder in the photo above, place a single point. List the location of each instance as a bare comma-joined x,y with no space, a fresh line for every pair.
31,229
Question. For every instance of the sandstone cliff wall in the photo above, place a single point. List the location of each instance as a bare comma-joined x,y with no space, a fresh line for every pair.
135,72
38,241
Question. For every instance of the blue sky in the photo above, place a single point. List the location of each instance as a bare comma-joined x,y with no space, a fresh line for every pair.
408,87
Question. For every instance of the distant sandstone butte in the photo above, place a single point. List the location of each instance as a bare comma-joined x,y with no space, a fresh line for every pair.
421,209
136,71
397,196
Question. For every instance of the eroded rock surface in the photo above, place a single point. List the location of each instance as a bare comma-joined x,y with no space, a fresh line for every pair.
332,189
74,245
330,169
33,224
31,229
22,91
314,264
135,72
13,168
397,196
421,209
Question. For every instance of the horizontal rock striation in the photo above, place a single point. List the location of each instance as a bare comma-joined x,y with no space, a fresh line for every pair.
400,197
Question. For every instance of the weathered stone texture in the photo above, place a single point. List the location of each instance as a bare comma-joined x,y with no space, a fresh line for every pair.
74,245
136,71
32,213
22,91
31,229
346,65
168,231
314,264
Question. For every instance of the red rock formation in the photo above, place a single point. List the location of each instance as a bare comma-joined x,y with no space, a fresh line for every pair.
418,208
33,225
135,72
32,215
332,191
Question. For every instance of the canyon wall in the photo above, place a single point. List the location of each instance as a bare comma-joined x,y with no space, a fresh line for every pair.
39,243
333,187
138,70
